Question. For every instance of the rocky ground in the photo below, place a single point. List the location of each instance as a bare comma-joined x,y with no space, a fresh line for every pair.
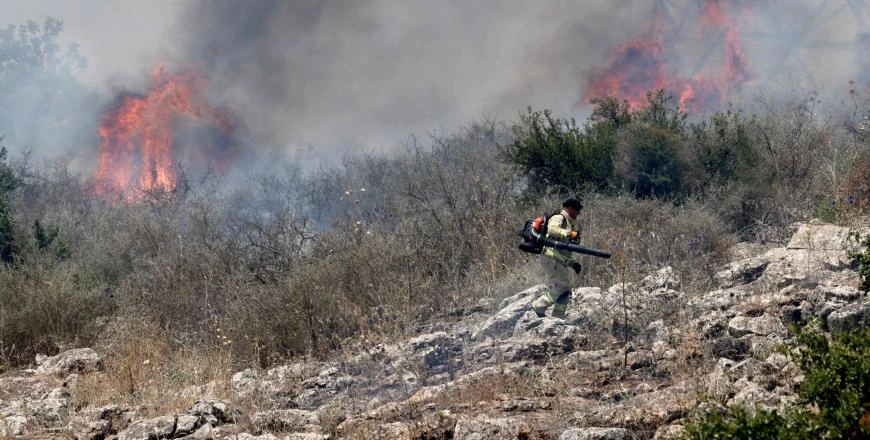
632,362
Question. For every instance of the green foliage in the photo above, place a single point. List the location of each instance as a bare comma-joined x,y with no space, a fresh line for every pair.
835,394
650,154
45,239
650,163
557,154
862,257
721,150
738,423
837,379
827,212
8,182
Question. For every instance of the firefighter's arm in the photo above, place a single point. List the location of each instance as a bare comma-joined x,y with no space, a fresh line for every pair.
555,230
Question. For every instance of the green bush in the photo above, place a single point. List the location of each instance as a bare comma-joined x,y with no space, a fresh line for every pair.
557,154
8,182
721,150
650,150
650,162
862,257
834,395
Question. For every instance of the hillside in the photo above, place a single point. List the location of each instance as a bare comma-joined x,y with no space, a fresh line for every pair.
496,371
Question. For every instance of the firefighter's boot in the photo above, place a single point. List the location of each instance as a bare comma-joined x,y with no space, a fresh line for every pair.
560,309
543,302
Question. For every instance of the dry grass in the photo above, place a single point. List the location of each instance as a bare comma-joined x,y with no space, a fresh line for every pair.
145,371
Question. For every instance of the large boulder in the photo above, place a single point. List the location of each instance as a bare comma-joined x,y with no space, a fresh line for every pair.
151,429
760,325
850,316
501,325
79,360
819,238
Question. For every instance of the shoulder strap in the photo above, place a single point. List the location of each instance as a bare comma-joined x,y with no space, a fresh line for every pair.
564,220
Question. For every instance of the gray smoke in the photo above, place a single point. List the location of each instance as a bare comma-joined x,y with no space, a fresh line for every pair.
366,74
336,74
331,75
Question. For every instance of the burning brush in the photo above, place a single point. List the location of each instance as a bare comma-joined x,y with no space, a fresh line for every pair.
139,134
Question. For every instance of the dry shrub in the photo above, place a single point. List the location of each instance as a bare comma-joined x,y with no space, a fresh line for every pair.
45,308
143,370
855,191
647,235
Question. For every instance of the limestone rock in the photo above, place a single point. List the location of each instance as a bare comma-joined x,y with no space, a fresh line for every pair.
79,360
52,409
501,325
850,316
762,325
151,429
486,428
819,238
595,434
13,426
215,412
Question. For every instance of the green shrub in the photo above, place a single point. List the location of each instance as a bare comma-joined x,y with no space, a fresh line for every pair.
862,257
738,423
8,182
721,150
650,163
834,395
557,154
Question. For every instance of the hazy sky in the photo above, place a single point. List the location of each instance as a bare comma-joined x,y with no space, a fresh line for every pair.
334,74
119,38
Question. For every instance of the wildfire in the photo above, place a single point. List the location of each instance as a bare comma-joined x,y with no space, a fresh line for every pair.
643,65
136,154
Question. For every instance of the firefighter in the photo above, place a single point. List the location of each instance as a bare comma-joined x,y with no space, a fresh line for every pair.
559,265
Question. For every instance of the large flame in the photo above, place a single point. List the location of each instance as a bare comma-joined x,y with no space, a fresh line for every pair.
643,65
136,154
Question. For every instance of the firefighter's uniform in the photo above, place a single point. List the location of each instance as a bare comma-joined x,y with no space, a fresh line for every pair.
557,267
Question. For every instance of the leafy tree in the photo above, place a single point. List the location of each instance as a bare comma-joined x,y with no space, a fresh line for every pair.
8,182
557,154
720,150
42,103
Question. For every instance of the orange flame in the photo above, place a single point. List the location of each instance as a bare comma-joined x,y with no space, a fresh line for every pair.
135,156
640,66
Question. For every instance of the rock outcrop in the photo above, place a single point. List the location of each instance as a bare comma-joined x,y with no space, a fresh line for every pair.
632,361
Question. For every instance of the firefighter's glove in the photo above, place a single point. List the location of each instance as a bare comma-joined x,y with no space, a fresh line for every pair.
576,266
572,235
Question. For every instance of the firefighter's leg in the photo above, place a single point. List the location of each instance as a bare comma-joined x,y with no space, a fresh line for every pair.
551,271
562,283
560,308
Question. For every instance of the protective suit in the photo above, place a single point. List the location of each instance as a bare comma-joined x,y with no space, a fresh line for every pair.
559,266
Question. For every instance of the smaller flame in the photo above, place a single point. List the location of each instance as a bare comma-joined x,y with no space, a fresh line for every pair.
641,66
135,156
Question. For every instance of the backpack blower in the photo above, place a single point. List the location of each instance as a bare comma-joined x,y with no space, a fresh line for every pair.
534,240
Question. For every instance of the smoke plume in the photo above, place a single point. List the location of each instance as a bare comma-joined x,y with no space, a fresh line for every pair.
331,75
